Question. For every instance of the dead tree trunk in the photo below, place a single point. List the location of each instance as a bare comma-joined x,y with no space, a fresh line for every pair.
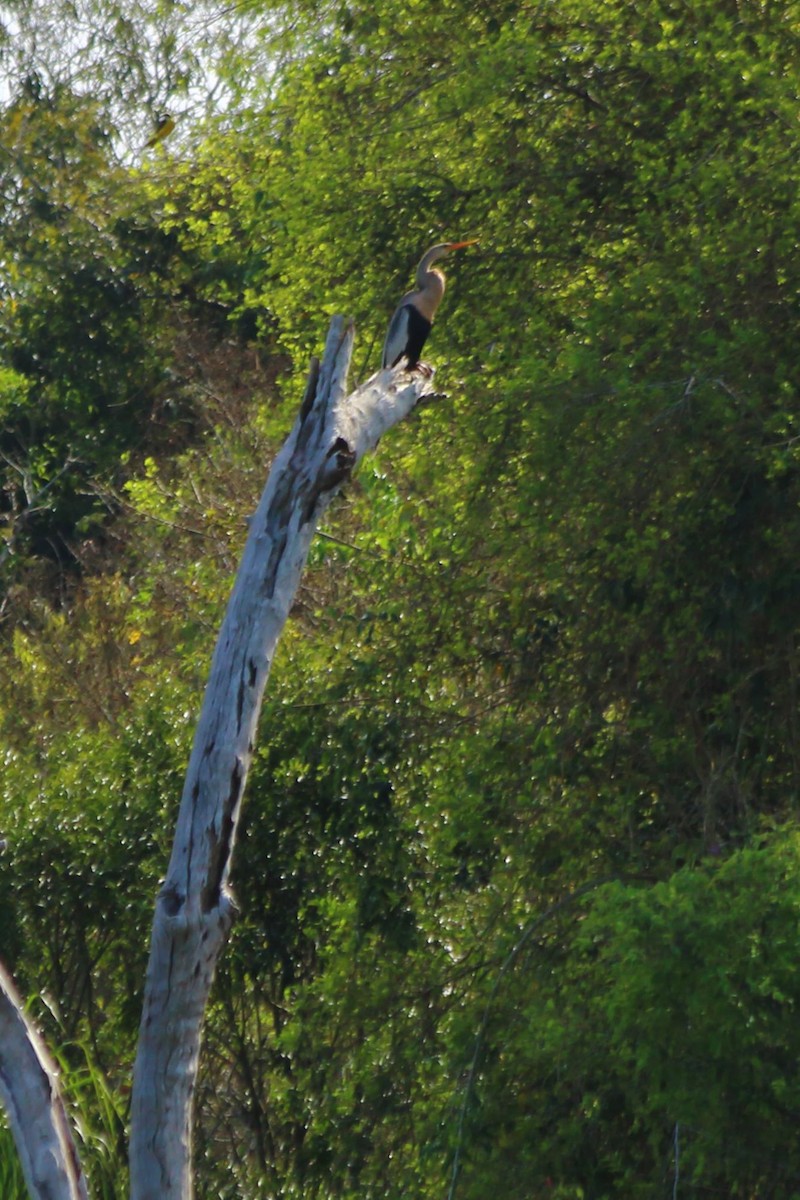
194,909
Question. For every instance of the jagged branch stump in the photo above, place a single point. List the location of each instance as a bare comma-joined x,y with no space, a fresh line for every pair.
194,909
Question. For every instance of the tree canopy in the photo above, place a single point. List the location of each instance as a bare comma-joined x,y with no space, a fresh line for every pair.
518,881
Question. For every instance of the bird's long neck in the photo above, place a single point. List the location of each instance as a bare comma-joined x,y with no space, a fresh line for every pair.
430,289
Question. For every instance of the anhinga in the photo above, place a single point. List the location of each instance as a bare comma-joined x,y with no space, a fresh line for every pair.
409,327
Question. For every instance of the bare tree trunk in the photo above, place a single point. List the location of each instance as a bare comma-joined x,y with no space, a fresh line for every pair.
194,910
35,1111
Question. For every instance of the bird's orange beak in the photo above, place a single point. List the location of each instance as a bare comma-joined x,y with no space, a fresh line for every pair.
460,245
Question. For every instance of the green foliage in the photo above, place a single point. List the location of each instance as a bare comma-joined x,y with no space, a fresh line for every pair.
549,638
12,1180
85,367
673,1017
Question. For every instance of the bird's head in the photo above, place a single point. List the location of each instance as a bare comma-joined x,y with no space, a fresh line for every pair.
437,252
443,248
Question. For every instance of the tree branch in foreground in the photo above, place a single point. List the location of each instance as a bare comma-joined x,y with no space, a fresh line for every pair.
35,1110
195,909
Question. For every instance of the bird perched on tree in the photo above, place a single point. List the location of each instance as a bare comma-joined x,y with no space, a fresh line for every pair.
409,327
164,127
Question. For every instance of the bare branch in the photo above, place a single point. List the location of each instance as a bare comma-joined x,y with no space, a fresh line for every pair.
33,1104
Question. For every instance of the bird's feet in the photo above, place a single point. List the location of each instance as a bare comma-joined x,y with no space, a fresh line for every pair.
424,369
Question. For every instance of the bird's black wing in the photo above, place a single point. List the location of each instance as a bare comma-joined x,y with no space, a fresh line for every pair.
407,333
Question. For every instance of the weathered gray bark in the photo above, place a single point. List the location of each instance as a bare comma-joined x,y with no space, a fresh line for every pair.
35,1111
194,910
